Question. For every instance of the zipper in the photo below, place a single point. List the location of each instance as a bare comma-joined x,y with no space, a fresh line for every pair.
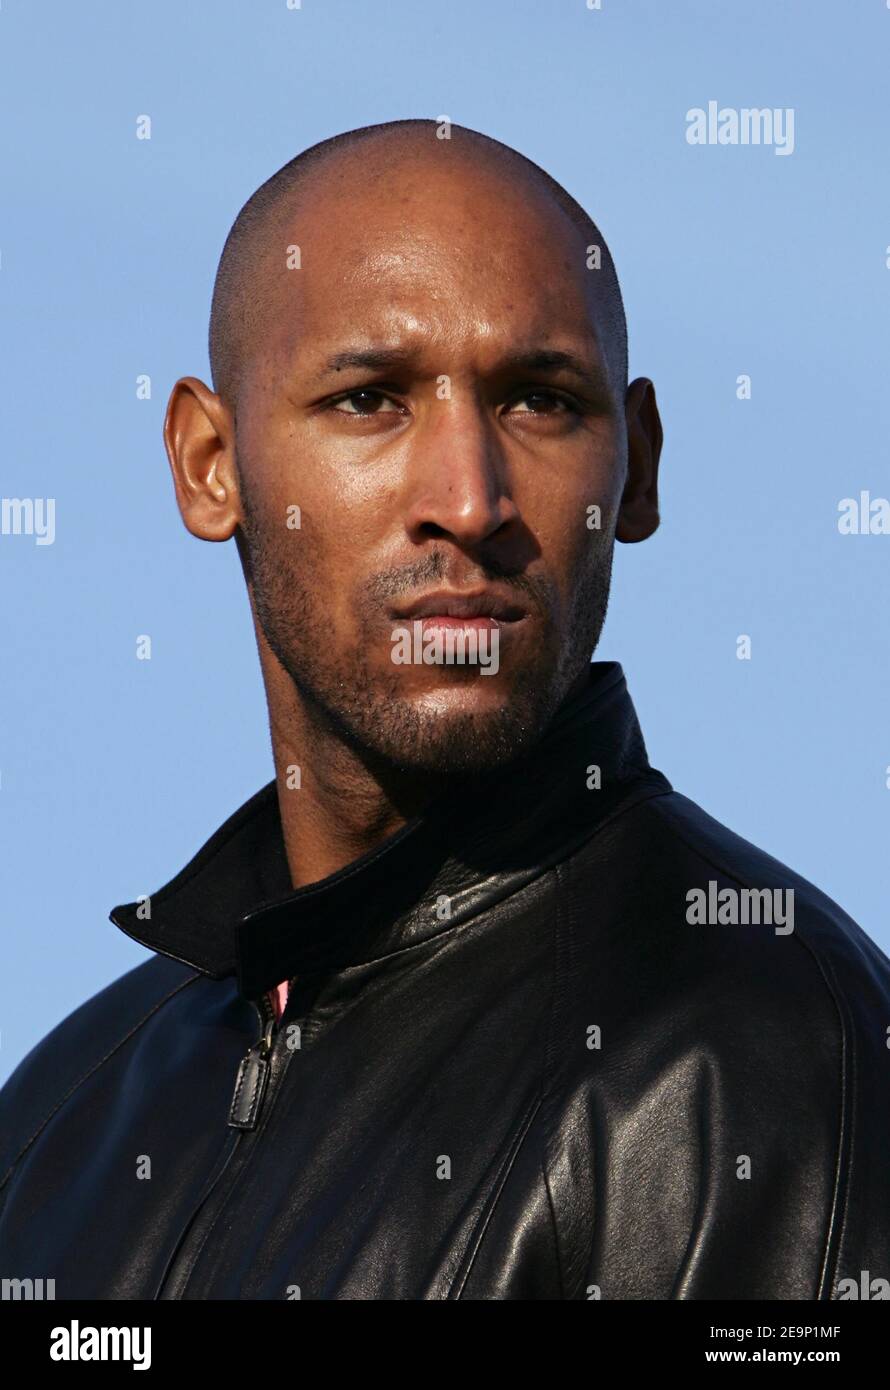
250,1098
253,1073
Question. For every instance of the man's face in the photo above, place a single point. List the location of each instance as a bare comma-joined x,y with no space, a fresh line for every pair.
446,463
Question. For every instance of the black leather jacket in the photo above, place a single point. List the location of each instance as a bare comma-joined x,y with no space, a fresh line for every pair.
511,1065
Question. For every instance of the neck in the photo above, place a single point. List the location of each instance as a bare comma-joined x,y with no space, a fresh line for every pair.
344,801
344,805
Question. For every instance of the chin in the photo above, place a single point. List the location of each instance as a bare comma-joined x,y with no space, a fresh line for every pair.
457,731
481,699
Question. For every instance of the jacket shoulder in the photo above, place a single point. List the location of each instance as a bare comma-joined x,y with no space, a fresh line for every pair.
722,1036
57,1065
765,975
702,847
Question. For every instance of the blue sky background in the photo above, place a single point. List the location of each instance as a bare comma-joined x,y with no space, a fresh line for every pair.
732,260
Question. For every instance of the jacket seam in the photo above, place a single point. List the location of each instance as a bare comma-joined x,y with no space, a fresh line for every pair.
475,1243
551,872
89,1072
563,945
684,1270
846,1135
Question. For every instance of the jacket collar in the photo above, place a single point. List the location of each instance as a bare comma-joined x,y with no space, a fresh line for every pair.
233,909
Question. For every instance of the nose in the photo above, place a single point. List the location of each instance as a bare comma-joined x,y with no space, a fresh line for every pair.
458,475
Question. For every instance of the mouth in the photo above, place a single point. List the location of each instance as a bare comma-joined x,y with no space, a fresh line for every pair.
449,608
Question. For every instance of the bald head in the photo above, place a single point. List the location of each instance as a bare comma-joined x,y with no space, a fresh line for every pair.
255,274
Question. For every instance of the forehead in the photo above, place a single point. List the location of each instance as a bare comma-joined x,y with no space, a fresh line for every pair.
437,253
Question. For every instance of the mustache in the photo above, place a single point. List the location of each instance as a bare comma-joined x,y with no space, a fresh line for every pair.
437,567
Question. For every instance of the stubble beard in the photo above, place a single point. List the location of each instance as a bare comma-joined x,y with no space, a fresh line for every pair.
349,698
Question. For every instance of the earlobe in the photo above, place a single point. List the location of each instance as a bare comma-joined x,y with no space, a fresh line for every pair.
199,440
638,511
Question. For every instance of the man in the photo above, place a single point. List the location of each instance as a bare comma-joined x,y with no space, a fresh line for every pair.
467,1002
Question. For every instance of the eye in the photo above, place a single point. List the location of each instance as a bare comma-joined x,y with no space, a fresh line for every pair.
368,403
547,403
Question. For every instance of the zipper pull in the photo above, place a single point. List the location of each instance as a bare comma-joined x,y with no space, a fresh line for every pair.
251,1082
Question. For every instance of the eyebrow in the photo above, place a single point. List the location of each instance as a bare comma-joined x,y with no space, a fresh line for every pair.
553,359
373,358
539,360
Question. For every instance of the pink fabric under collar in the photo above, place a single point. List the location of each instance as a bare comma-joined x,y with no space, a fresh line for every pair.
278,998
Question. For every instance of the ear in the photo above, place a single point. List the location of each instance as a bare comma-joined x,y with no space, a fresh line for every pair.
199,436
638,510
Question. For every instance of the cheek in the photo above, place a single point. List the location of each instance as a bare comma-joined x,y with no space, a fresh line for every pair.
586,472
312,539
567,522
